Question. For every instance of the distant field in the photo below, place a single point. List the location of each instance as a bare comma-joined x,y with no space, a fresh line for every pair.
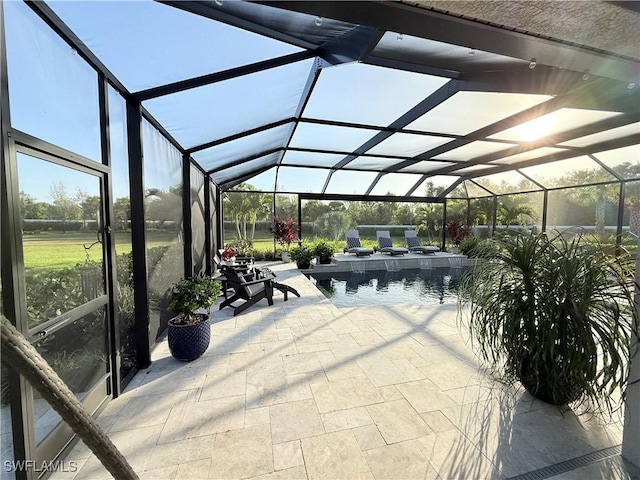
55,250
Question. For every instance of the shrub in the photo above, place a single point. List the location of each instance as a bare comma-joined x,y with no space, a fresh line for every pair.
457,231
243,246
283,232
191,294
469,245
323,250
302,254
269,254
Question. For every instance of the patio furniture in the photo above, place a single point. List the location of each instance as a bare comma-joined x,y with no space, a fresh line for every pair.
251,286
414,245
282,287
385,244
354,246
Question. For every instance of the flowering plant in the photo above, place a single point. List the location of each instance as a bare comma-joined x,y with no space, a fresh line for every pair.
228,253
283,232
457,231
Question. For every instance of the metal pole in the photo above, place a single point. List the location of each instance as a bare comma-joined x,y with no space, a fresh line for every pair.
138,234
299,218
495,215
207,225
444,222
545,206
621,198
186,216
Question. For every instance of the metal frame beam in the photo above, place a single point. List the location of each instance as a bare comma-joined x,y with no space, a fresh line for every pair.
217,12
442,27
186,217
138,233
554,104
352,46
411,67
109,245
13,289
436,98
237,136
208,241
240,161
216,77
312,79
65,33
575,152
232,182
369,198
553,140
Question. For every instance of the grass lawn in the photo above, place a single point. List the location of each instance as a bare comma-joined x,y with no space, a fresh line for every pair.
54,250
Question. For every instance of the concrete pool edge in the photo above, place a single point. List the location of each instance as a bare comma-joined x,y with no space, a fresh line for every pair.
378,261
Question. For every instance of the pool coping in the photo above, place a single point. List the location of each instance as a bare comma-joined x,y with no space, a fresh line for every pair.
379,261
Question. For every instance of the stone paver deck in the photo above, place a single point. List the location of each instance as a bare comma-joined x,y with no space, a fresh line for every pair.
303,389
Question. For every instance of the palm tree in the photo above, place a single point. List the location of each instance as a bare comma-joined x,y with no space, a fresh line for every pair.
246,208
511,212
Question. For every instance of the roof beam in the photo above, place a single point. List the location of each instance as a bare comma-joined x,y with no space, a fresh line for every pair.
229,74
578,95
540,81
451,187
368,198
48,15
442,27
374,183
411,67
436,98
232,182
351,46
221,14
312,79
603,125
242,160
237,136
553,140
417,184
599,147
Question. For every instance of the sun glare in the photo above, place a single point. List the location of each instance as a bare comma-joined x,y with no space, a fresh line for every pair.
535,129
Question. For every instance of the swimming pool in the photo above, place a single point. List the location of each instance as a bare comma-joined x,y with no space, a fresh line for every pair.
381,287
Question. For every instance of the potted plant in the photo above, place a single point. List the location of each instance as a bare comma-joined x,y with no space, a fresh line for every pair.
555,314
244,248
188,332
457,232
284,233
324,252
302,255
229,254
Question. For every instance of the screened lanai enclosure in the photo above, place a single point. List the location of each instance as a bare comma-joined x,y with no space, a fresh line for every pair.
139,137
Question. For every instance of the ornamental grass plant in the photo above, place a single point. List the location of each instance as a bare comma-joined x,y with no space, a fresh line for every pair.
554,313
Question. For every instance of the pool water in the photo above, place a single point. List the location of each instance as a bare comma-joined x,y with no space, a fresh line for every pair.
380,287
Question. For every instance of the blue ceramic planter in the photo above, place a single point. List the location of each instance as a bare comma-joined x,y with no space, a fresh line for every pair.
188,342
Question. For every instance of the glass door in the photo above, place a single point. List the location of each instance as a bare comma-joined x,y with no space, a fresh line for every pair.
61,209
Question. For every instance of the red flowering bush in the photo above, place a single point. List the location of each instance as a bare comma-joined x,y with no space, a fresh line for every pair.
283,232
457,231
229,252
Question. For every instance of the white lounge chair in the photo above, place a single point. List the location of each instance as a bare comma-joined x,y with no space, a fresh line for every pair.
413,243
385,244
354,245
